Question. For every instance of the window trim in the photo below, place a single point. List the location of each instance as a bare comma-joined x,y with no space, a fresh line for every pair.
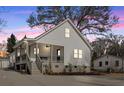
75,53
80,53
67,33
34,51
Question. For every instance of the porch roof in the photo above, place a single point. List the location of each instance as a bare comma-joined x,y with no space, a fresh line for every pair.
22,41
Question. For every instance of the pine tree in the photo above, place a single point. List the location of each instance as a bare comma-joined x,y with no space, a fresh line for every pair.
10,43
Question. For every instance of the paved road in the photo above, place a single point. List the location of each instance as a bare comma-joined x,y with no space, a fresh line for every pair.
12,78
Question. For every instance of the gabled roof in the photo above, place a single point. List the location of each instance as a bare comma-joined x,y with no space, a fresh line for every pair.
70,22
52,29
21,41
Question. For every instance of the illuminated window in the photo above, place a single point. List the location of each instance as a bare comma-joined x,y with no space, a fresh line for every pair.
80,53
34,50
58,52
38,51
18,54
75,53
67,33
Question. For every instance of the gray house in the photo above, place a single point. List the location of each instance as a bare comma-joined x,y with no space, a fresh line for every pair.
109,62
62,48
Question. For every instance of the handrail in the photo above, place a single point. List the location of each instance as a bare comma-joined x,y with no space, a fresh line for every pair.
28,61
39,62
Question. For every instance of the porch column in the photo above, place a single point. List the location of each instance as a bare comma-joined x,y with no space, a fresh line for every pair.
20,54
15,59
51,57
26,46
36,50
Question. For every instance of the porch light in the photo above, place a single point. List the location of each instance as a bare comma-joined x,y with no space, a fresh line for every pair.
47,46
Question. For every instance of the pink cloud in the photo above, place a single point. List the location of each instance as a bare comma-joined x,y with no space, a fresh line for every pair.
121,25
21,32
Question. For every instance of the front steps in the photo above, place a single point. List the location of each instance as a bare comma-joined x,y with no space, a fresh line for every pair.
35,69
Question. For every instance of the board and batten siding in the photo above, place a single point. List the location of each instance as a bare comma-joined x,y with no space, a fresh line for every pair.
57,37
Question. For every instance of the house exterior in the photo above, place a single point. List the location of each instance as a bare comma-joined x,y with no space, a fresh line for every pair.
3,51
62,48
109,63
4,63
3,54
12,59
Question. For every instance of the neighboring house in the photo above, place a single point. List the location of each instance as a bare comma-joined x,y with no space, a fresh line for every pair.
109,63
3,52
4,63
12,59
62,48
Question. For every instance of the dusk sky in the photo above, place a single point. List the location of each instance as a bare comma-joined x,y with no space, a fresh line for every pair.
16,22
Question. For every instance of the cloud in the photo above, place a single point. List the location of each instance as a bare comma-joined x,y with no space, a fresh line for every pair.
21,32
119,26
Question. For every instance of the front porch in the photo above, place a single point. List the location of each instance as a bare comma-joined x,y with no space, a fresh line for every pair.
32,57
49,58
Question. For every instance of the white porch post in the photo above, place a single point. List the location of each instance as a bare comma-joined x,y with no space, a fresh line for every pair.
36,50
15,59
20,54
27,49
51,57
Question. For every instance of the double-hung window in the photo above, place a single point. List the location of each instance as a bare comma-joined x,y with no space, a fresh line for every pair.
75,53
67,33
78,53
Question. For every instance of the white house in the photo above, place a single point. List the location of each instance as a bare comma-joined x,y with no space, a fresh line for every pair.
54,51
12,59
109,62
4,63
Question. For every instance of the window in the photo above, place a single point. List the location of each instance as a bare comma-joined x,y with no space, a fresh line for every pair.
67,33
58,52
80,53
100,63
18,53
75,53
106,62
34,50
66,66
75,66
56,66
38,51
116,63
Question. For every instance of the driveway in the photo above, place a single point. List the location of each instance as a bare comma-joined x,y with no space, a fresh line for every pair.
12,78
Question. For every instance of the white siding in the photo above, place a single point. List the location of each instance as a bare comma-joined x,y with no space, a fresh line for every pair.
111,63
57,37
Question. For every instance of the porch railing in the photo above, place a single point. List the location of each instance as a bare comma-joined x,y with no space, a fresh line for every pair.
53,59
28,62
39,62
